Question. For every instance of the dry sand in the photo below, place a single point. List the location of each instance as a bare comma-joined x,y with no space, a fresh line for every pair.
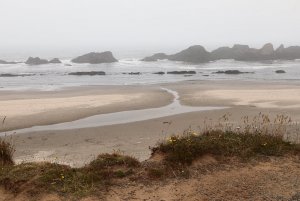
79,146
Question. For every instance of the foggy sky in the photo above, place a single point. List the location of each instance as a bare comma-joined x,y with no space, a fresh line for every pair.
30,25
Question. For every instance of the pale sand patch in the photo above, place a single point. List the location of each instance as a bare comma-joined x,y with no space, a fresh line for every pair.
13,108
264,98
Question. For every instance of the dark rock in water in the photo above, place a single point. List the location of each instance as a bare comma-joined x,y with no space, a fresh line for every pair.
96,58
181,72
91,73
205,75
280,71
55,61
36,61
15,75
194,54
159,73
156,57
133,73
68,65
289,53
232,72
7,62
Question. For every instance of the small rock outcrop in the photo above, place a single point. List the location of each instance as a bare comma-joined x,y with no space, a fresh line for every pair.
36,61
95,58
156,57
194,54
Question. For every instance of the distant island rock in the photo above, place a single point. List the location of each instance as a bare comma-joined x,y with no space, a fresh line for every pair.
8,62
55,61
156,57
198,54
95,58
39,61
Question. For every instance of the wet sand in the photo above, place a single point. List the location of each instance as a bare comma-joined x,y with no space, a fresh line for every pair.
78,146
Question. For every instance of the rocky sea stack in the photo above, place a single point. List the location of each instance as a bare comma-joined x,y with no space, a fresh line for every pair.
95,58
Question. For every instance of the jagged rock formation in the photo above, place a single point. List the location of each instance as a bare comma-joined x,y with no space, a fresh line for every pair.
197,54
95,58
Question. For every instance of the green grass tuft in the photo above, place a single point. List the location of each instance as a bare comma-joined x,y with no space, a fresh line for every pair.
111,160
6,153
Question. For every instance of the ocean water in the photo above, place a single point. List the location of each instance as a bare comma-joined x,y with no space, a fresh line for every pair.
55,76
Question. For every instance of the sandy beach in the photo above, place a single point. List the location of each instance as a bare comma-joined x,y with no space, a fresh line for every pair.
78,146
